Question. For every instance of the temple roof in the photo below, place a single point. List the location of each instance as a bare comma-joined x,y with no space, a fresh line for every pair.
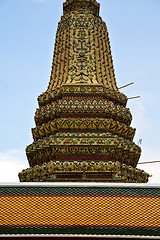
92,211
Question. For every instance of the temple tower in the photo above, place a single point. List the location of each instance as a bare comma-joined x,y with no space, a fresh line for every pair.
83,131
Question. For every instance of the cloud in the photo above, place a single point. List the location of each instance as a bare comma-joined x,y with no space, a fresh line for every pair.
11,163
140,121
42,1
149,154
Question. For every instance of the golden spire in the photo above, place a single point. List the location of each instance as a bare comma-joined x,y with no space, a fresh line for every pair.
83,128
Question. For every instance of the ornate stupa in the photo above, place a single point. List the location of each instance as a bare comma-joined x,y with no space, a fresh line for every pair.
83,131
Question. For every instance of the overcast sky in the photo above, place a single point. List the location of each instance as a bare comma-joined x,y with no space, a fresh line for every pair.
27,35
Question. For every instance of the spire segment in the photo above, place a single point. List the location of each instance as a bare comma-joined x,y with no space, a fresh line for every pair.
82,54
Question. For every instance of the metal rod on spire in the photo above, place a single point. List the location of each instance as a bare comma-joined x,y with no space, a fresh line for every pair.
126,85
149,162
134,97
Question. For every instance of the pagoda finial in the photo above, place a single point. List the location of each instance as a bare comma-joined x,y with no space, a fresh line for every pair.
76,5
